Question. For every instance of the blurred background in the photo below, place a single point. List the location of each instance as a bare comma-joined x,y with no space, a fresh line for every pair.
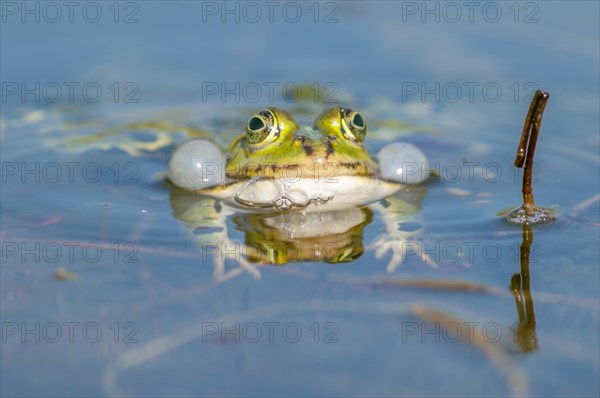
466,70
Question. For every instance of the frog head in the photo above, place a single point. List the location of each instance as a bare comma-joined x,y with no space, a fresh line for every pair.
274,145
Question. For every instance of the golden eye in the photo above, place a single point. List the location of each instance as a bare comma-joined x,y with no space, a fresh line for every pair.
342,122
262,127
353,125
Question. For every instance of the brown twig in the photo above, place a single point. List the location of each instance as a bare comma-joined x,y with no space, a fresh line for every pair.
526,149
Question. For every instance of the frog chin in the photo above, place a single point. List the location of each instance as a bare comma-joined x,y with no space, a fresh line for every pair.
280,194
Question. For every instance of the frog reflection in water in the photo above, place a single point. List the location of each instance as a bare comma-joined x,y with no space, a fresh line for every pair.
306,194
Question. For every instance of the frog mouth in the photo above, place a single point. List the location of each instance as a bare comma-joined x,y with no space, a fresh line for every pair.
264,192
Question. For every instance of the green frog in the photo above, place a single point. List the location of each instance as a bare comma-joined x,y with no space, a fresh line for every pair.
299,189
276,165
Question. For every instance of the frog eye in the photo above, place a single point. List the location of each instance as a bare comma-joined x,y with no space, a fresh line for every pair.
342,122
262,127
353,125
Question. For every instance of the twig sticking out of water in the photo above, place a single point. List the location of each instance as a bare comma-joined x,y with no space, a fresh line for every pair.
529,213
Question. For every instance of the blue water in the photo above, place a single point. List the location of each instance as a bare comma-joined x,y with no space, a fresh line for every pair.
467,79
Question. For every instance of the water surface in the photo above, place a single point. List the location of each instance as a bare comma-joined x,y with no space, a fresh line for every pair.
151,284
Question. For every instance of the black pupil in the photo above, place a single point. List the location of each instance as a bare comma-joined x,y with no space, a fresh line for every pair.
256,123
358,121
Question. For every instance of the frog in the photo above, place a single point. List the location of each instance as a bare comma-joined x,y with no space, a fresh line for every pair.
301,180
280,166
